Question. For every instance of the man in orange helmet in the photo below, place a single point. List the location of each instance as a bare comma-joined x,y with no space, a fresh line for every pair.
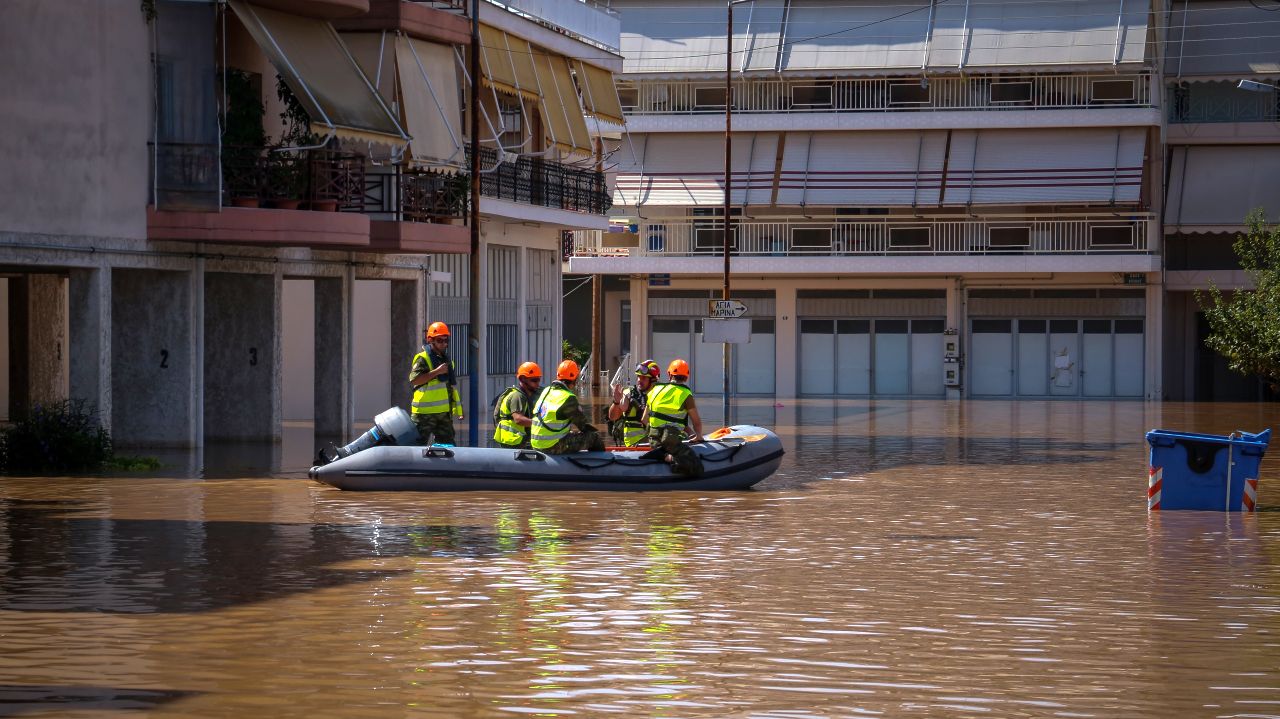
669,410
556,412
435,388
511,413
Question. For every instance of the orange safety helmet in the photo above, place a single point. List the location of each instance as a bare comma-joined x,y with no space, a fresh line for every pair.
567,371
529,370
678,368
648,368
437,329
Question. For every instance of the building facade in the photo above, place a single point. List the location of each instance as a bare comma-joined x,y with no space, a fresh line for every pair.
932,199
221,216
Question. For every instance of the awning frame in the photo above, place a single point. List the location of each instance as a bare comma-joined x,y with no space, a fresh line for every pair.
328,124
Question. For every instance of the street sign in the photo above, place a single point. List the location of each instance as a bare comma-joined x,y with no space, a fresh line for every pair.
660,279
725,309
1135,278
731,331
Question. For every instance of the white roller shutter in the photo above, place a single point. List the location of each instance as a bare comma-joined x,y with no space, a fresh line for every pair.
1049,166
688,169
821,35
1216,39
657,38
869,169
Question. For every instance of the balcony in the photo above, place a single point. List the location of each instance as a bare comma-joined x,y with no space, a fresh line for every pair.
907,235
1220,102
870,245
587,20
314,197
543,183
901,94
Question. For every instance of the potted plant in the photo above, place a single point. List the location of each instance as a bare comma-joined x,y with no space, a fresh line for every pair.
287,176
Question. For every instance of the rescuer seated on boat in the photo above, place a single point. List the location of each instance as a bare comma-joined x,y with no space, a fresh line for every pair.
670,411
628,406
556,413
511,413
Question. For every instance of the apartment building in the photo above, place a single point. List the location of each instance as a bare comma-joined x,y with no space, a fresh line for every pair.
929,199
1223,160
219,216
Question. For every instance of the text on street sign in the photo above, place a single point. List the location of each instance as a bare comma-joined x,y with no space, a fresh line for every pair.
719,309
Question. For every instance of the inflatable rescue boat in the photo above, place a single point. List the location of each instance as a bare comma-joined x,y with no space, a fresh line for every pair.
732,457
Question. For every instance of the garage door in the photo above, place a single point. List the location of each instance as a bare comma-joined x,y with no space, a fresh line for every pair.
1037,357
753,364
881,357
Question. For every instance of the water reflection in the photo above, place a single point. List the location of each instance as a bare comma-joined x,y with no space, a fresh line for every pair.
910,558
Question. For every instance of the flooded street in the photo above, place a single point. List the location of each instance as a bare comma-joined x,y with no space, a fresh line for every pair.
923,558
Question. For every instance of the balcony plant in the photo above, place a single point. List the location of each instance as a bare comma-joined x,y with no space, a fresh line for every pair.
243,138
287,176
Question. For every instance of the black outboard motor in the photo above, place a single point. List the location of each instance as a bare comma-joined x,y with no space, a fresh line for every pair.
392,427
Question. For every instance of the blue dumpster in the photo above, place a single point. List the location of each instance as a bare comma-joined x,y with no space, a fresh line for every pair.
1205,471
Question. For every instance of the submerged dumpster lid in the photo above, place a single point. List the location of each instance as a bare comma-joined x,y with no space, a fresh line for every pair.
1167,438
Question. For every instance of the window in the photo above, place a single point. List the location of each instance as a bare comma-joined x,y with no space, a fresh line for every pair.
1011,92
460,337
1111,236
811,96
817,327
811,239
891,327
626,327
1063,327
629,97
1032,327
1111,91
708,97
670,326
908,93
502,349
1128,327
1004,238
709,239
511,124
1097,327
927,327
853,327
908,238
992,326
762,326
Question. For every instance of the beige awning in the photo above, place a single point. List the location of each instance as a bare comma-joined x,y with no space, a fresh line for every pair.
322,74
506,63
420,80
566,127
599,95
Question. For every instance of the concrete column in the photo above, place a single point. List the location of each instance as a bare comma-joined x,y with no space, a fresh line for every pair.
1154,338
38,350
152,361
787,340
241,363
406,337
332,358
89,291
955,321
196,343
639,288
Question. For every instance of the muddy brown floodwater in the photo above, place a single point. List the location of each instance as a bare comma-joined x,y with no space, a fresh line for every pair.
986,559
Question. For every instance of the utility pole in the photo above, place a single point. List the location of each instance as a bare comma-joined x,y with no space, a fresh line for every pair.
477,331
728,190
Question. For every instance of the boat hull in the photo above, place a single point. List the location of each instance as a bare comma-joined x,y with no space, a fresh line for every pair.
738,459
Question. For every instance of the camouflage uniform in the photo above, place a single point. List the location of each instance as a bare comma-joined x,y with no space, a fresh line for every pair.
434,428
683,459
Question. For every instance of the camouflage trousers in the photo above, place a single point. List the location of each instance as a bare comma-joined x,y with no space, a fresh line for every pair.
683,459
589,440
434,428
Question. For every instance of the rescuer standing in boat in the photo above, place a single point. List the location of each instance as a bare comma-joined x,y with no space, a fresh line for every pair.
511,413
627,408
557,411
670,410
436,401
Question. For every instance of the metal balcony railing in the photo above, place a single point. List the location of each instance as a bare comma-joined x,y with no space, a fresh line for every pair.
888,94
1220,102
316,179
844,236
415,196
544,183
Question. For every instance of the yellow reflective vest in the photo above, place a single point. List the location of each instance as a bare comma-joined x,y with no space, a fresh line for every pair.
633,431
549,427
436,396
666,405
505,431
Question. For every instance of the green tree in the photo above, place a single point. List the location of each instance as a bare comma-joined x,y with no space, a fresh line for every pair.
1244,326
